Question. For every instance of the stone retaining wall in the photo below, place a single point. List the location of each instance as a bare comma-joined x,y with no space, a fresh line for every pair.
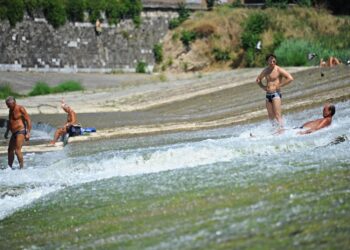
75,47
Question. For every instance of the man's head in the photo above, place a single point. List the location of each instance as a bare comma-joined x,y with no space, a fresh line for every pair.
10,102
65,107
328,110
271,60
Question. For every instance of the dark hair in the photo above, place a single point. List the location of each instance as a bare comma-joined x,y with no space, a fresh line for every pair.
269,55
332,109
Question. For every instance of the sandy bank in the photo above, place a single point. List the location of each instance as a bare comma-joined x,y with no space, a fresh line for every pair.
191,103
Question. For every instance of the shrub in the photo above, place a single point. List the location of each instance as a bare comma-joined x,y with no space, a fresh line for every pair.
174,23
281,4
5,91
305,3
141,67
54,11
210,4
114,11
184,14
253,27
293,52
187,37
15,11
94,8
75,10
40,88
3,11
158,52
67,86
33,5
117,10
221,55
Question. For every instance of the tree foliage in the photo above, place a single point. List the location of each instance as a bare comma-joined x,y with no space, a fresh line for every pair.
58,11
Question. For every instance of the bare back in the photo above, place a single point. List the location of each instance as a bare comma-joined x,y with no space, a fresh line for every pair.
71,117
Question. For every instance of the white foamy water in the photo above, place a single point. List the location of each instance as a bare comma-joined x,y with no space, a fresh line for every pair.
254,144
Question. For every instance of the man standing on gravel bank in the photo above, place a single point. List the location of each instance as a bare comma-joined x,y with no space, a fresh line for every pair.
20,125
276,78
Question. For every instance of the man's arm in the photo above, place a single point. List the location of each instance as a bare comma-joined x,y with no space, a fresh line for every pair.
27,121
259,79
322,124
6,135
288,77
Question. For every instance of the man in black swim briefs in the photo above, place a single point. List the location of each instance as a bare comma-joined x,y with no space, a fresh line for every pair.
276,78
20,125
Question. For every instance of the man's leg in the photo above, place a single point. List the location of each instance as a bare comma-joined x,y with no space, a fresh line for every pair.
270,111
18,149
277,109
59,132
11,151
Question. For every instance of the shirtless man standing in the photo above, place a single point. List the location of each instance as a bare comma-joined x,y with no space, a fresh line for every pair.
312,126
71,120
20,125
276,78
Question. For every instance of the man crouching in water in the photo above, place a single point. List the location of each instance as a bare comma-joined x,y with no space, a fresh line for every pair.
71,120
20,125
312,126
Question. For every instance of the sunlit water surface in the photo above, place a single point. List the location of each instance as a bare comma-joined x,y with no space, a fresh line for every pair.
250,148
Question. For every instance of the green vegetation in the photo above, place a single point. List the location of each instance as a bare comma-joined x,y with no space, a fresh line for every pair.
75,10
184,14
141,67
58,11
281,4
158,52
229,35
254,26
187,37
15,11
6,90
42,88
221,55
54,11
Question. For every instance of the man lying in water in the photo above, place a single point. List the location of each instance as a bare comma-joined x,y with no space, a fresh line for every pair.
71,120
312,126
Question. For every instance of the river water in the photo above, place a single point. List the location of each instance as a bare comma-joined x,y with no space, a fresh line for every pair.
236,156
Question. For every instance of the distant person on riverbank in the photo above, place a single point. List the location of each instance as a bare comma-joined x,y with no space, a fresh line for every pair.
19,124
98,27
71,121
276,78
312,126
332,61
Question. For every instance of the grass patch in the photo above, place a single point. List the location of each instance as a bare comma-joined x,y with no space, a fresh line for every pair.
42,88
293,52
67,86
6,90
141,67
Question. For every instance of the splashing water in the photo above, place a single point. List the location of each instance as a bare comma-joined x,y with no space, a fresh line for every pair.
269,154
